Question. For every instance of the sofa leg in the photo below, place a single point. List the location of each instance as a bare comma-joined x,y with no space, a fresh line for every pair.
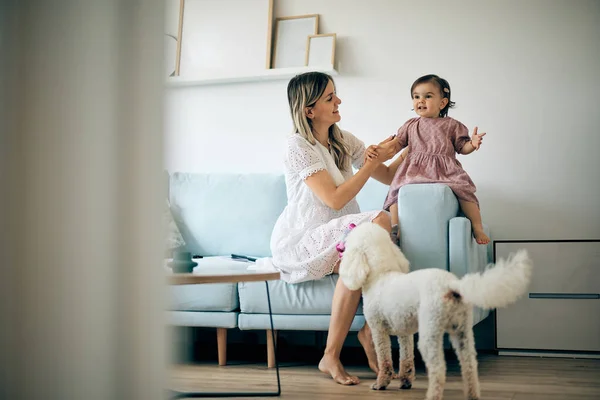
271,349
222,345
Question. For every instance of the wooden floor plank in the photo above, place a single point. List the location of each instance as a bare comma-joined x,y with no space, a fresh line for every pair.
501,377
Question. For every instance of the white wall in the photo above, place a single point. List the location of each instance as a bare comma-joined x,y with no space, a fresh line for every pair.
526,72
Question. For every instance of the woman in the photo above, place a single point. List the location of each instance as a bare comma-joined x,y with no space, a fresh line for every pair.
321,189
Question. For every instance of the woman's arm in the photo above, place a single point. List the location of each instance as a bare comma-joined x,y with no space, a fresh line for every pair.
336,197
385,174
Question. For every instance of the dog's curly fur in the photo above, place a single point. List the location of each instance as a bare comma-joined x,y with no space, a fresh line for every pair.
431,301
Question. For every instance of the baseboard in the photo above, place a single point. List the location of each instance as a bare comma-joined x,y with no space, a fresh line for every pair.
549,354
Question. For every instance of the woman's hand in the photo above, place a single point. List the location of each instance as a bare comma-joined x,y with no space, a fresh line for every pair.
388,148
476,139
383,151
371,152
372,157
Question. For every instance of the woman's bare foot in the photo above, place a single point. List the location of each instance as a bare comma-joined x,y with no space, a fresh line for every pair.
364,337
332,366
480,236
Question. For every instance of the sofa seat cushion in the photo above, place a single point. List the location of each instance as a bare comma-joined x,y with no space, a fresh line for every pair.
293,322
305,298
203,319
208,296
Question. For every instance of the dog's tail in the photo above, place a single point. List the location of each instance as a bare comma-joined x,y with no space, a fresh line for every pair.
499,285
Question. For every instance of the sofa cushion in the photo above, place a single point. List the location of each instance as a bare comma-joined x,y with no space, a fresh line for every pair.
174,238
208,296
293,322
305,298
372,195
224,214
203,319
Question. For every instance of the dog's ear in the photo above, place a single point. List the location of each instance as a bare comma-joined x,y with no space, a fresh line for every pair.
354,268
401,261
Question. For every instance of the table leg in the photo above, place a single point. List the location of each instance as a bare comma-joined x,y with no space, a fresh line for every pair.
274,342
182,395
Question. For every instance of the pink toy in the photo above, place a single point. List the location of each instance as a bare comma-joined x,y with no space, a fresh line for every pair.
341,246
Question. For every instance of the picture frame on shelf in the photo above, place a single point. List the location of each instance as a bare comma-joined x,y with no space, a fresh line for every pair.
225,38
320,50
172,36
291,33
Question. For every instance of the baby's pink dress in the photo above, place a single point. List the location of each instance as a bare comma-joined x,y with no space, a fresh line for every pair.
433,143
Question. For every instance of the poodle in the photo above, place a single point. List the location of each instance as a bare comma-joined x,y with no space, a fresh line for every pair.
431,301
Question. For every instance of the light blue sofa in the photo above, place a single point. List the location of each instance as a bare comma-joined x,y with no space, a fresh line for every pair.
224,214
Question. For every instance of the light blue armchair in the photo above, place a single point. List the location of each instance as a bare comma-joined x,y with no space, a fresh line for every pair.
221,214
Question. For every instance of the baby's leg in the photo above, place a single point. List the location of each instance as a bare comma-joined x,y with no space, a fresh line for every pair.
394,213
395,223
471,210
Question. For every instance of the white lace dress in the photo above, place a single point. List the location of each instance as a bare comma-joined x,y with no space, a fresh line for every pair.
306,233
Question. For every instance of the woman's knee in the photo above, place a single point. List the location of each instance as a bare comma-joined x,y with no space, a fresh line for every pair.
336,267
343,291
384,220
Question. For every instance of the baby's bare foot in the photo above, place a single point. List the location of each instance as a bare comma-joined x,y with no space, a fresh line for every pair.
364,337
480,236
331,365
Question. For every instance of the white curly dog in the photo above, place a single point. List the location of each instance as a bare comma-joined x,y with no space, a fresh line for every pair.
431,301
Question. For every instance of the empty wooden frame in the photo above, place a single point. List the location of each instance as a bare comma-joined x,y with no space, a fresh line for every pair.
225,37
172,35
320,50
291,34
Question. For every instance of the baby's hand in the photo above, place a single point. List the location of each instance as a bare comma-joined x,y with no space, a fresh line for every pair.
477,139
371,152
388,139
388,148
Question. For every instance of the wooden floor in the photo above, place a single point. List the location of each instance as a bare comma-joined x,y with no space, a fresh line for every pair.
501,377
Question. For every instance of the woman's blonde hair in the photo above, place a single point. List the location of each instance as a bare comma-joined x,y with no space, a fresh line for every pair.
303,91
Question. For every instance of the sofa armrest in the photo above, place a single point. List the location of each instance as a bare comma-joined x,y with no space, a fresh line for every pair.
424,212
465,254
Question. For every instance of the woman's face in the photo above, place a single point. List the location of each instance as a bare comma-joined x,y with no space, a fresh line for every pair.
325,111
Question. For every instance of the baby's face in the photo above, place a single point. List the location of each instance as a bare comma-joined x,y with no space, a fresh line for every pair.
428,100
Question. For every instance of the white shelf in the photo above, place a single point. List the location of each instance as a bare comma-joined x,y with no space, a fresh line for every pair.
266,75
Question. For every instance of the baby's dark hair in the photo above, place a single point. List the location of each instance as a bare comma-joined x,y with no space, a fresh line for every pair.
444,90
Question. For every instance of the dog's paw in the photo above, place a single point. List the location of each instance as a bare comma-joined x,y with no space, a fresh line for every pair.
378,386
405,384
382,381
